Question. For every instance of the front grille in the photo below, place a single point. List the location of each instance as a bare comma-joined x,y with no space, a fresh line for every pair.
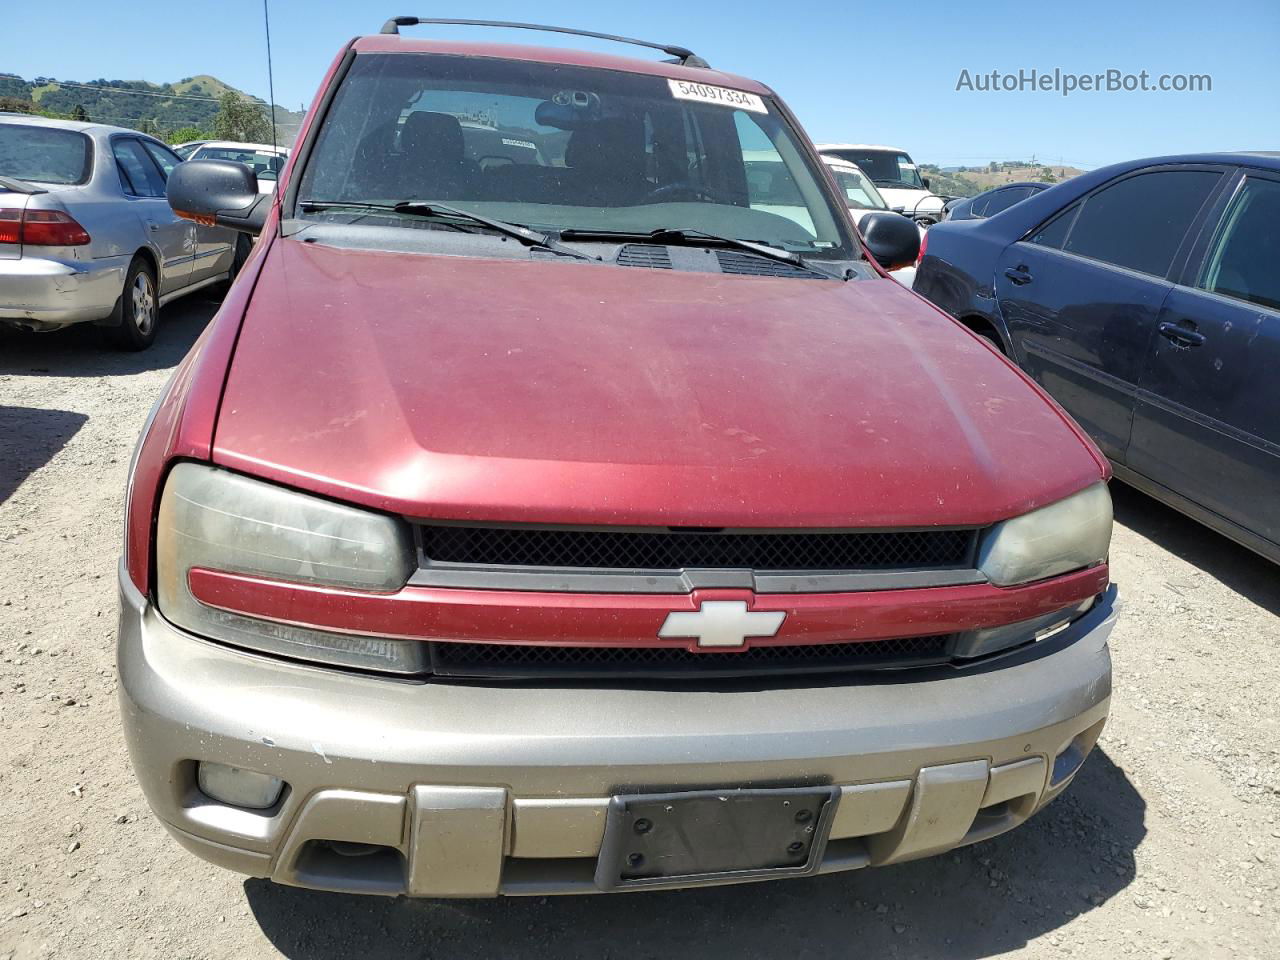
527,660
688,549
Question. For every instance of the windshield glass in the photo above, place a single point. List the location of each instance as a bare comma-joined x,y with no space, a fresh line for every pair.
859,192
265,165
560,147
44,154
886,168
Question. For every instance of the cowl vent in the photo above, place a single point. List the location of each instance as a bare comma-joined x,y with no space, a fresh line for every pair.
731,261
649,255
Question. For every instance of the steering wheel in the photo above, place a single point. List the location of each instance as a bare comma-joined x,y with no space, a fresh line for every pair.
688,190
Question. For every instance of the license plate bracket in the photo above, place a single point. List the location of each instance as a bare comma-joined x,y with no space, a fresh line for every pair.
714,836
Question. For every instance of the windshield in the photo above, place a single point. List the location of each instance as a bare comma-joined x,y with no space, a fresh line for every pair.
559,147
886,168
266,165
44,154
859,192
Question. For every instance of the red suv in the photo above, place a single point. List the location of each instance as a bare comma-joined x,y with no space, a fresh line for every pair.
554,505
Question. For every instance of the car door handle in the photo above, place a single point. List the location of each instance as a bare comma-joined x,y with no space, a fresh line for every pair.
1183,336
1018,274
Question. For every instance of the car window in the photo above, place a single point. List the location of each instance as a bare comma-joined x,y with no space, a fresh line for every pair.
859,192
266,166
138,173
562,147
978,205
44,154
1054,232
1246,249
1004,199
886,168
165,159
1139,222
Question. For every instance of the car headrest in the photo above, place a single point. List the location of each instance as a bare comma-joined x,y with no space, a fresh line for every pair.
436,135
605,143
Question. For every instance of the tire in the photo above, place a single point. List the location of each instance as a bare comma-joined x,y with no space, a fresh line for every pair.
244,247
138,310
992,339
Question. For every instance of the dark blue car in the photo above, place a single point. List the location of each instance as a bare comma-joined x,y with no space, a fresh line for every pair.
990,202
1145,297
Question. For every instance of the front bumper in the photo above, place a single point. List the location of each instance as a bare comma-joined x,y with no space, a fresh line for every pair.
462,789
43,294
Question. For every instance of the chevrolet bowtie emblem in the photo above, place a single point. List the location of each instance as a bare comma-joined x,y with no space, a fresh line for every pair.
722,623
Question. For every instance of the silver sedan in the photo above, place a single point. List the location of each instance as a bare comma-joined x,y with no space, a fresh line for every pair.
87,236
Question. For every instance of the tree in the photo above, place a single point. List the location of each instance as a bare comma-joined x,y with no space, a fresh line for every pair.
148,126
15,105
240,119
186,135
78,112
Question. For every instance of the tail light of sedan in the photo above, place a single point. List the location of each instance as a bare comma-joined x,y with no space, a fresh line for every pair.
41,228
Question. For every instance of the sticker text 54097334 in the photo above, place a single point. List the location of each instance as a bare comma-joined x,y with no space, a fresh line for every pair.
721,96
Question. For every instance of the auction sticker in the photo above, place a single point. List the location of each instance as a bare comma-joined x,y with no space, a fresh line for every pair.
721,96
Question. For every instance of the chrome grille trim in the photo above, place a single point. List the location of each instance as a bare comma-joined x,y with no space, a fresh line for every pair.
958,556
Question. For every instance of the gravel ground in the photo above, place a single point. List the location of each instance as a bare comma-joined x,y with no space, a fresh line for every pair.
1166,846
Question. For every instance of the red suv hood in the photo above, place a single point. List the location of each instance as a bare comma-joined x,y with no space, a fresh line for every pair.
560,392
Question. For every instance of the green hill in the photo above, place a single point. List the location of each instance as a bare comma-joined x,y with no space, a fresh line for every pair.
970,181
164,109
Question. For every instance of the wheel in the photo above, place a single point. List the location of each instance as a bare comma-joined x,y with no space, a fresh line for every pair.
138,309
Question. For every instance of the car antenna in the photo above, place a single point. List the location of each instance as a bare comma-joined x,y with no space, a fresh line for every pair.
271,80
683,56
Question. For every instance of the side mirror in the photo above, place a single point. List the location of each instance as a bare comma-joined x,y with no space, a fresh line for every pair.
892,239
925,181
218,192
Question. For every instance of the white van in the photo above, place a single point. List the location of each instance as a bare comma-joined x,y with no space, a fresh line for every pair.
894,172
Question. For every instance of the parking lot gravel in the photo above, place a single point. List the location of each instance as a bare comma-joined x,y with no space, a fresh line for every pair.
1166,846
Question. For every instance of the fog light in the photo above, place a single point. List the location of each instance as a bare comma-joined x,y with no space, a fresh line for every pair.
979,643
239,788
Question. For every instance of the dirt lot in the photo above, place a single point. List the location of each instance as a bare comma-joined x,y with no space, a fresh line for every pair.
1166,846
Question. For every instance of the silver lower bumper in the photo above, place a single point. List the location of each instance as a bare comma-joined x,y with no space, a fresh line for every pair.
472,790
43,294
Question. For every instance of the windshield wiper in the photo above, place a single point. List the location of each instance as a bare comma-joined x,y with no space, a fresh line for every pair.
16,185
421,208
687,236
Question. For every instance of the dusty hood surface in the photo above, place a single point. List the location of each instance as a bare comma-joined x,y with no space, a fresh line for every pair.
563,392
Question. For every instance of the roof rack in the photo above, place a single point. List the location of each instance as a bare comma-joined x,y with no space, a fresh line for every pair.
683,55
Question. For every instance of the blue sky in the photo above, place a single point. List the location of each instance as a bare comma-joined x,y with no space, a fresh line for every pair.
869,72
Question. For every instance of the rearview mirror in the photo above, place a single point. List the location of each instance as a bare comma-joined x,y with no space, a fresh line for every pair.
925,181
892,239
218,192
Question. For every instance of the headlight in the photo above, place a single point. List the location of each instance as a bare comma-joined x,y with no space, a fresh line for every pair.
217,520
1067,535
